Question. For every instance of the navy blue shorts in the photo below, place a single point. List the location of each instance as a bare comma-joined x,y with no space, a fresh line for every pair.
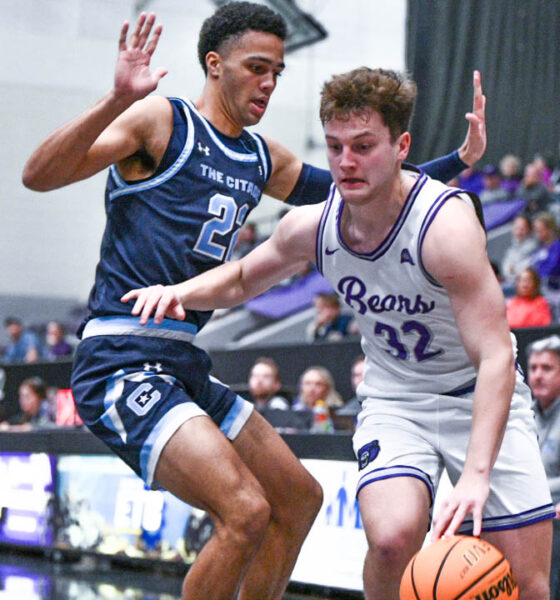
134,391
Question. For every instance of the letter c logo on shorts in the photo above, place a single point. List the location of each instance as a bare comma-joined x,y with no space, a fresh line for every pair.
367,454
142,399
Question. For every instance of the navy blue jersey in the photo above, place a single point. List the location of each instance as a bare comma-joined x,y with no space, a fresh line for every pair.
184,219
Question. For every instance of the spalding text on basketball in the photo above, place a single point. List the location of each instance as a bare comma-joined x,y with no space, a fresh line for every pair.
506,585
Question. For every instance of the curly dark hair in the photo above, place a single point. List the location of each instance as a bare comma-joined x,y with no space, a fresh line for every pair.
390,93
233,20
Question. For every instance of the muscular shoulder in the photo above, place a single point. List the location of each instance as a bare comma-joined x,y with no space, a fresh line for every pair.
455,243
150,121
296,232
286,168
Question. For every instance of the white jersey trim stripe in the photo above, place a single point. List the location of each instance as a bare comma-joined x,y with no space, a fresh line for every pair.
388,241
126,188
321,228
227,151
262,154
428,219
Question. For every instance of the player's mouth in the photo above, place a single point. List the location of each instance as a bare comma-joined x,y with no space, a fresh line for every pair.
259,105
352,182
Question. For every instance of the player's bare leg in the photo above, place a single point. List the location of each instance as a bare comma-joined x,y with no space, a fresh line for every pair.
395,513
295,499
528,550
200,466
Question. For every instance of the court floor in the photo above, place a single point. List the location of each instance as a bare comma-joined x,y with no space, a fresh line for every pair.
25,576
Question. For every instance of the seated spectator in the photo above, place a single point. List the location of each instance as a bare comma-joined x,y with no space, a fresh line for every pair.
528,308
317,383
544,380
534,191
510,169
24,347
56,345
492,190
471,180
345,416
264,385
544,164
34,407
546,258
518,255
329,324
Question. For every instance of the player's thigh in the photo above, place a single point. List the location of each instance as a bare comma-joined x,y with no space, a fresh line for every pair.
285,481
395,510
528,548
200,466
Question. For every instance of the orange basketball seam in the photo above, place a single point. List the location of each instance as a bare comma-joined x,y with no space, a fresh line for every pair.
434,595
412,578
481,577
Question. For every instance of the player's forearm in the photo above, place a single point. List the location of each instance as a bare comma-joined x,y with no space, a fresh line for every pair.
222,287
492,400
58,158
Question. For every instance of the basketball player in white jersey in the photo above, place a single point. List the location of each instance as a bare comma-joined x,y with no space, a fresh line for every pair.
440,387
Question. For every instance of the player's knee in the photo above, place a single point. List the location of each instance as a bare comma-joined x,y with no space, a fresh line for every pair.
250,519
394,546
314,498
310,498
298,511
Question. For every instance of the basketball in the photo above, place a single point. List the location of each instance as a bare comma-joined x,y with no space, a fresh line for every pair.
458,568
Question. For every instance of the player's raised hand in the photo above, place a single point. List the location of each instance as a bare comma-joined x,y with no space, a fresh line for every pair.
474,146
163,299
133,78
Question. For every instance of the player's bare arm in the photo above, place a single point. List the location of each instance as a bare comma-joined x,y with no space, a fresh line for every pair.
286,168
290,247
454,253
115,127
474,146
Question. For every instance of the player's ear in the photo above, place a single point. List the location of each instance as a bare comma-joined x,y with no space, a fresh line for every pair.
403,143
213,64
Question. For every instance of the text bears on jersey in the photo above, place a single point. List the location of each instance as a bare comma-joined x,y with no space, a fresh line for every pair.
353,290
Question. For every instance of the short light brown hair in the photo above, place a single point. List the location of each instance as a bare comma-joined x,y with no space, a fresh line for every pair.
390,93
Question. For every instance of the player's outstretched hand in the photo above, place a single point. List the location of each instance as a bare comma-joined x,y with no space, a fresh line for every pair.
474,146
133,78
163,299
468,497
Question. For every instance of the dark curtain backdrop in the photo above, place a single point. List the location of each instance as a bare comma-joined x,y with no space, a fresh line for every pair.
515,44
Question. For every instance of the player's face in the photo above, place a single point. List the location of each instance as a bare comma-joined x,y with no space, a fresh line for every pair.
544,376
363,159
250,70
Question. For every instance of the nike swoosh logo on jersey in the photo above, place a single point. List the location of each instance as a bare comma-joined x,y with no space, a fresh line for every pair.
328,251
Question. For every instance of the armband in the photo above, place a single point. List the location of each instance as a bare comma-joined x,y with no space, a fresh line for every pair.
444,168
312,186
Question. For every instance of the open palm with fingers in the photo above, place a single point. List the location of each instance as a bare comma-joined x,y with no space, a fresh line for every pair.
132,75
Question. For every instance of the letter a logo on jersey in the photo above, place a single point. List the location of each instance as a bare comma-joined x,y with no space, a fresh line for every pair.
405,257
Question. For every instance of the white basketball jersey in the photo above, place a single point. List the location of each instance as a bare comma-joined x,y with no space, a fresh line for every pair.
409,335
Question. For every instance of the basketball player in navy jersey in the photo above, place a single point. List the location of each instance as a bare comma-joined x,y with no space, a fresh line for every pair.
183,177
440,388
